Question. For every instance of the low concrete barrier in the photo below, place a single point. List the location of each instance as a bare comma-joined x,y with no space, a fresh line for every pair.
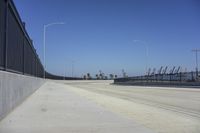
159,83
14,89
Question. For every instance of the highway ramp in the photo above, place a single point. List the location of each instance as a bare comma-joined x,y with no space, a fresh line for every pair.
58,108
161,109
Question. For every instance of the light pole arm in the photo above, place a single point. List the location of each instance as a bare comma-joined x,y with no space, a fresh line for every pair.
44,41
47,25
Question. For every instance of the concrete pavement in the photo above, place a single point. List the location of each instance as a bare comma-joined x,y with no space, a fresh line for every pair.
163,109
56,108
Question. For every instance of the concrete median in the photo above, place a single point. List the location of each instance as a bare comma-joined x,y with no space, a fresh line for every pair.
14,88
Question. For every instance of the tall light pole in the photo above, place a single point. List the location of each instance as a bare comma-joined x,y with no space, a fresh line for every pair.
146,51
64,72
73,67
196,54
44,41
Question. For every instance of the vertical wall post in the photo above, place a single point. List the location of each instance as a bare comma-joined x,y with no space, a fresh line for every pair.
23,62
6,36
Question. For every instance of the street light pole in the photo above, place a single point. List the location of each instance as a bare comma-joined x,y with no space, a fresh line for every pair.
197,66
44,45
64,72
44,52
72,64
72,69
146,52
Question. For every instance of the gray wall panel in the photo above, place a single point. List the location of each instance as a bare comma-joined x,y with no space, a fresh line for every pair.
14,88
2,32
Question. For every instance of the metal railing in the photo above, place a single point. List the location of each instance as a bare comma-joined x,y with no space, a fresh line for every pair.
163,78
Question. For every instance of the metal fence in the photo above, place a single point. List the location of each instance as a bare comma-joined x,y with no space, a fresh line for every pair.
180,77
17,53
2,34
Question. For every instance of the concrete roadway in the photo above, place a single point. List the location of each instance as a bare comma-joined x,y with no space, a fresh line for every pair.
100,107
162,109
55,108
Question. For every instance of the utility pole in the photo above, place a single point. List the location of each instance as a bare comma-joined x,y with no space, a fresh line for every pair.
196,54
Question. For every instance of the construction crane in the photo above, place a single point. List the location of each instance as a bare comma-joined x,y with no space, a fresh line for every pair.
149,71
165,70
177,70
154,71
160,70
172,70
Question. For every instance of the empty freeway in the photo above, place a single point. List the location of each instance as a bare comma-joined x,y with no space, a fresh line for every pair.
100,106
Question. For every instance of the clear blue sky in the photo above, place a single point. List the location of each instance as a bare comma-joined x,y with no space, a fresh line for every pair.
99,34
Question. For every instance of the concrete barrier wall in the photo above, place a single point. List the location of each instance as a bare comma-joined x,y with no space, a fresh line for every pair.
14,89
161,84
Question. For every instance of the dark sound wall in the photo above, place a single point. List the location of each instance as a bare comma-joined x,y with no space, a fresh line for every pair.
17,53
2,33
